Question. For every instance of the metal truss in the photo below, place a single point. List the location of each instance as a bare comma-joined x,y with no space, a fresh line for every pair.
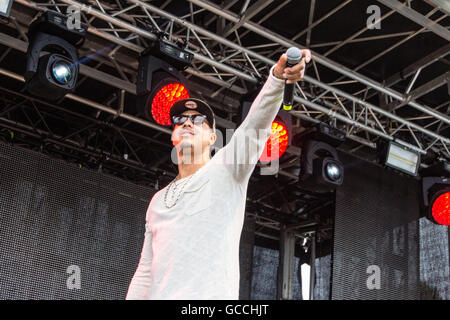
231,66
360,107
383,119
413,15
98,144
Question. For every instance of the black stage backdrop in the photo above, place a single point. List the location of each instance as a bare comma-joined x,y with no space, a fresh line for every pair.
378,223
57,220
376,227
434,261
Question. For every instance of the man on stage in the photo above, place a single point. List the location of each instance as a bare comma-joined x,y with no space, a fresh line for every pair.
193,225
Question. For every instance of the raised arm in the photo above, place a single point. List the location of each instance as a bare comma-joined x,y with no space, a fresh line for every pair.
242,152
140,283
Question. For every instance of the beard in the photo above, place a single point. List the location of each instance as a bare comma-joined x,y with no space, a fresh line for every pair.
190,150
186,145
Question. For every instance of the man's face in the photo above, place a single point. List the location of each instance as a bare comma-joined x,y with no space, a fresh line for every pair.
197,137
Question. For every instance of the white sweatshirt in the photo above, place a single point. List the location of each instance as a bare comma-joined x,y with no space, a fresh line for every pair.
191,251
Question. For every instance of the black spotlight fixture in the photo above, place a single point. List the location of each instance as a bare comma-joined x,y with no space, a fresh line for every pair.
52,59
321,170
160,82
436,193
281,133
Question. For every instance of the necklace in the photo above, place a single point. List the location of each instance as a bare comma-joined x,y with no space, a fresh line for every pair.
172,183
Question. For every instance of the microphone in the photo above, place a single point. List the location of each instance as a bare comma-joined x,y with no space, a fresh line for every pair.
294,55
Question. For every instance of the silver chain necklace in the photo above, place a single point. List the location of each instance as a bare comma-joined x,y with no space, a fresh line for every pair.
174,191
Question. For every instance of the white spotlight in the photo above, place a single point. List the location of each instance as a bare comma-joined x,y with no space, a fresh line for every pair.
5,7
402,158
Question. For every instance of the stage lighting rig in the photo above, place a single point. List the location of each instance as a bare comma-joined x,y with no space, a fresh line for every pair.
52,60
280,135
5,7
160,83
402,158
281,132
436,193
321,170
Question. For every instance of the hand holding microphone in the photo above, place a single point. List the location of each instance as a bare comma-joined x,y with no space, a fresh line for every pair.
291,68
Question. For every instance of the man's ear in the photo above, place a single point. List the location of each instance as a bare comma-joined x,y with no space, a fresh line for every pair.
213,138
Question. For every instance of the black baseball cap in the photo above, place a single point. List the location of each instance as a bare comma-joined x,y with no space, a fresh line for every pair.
193,104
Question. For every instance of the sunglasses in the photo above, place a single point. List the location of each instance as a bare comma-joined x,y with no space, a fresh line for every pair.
196,119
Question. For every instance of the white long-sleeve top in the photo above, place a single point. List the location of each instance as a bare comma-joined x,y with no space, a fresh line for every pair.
191,251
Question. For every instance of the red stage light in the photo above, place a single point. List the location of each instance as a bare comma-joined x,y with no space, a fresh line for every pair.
278,136
441,209
164,99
